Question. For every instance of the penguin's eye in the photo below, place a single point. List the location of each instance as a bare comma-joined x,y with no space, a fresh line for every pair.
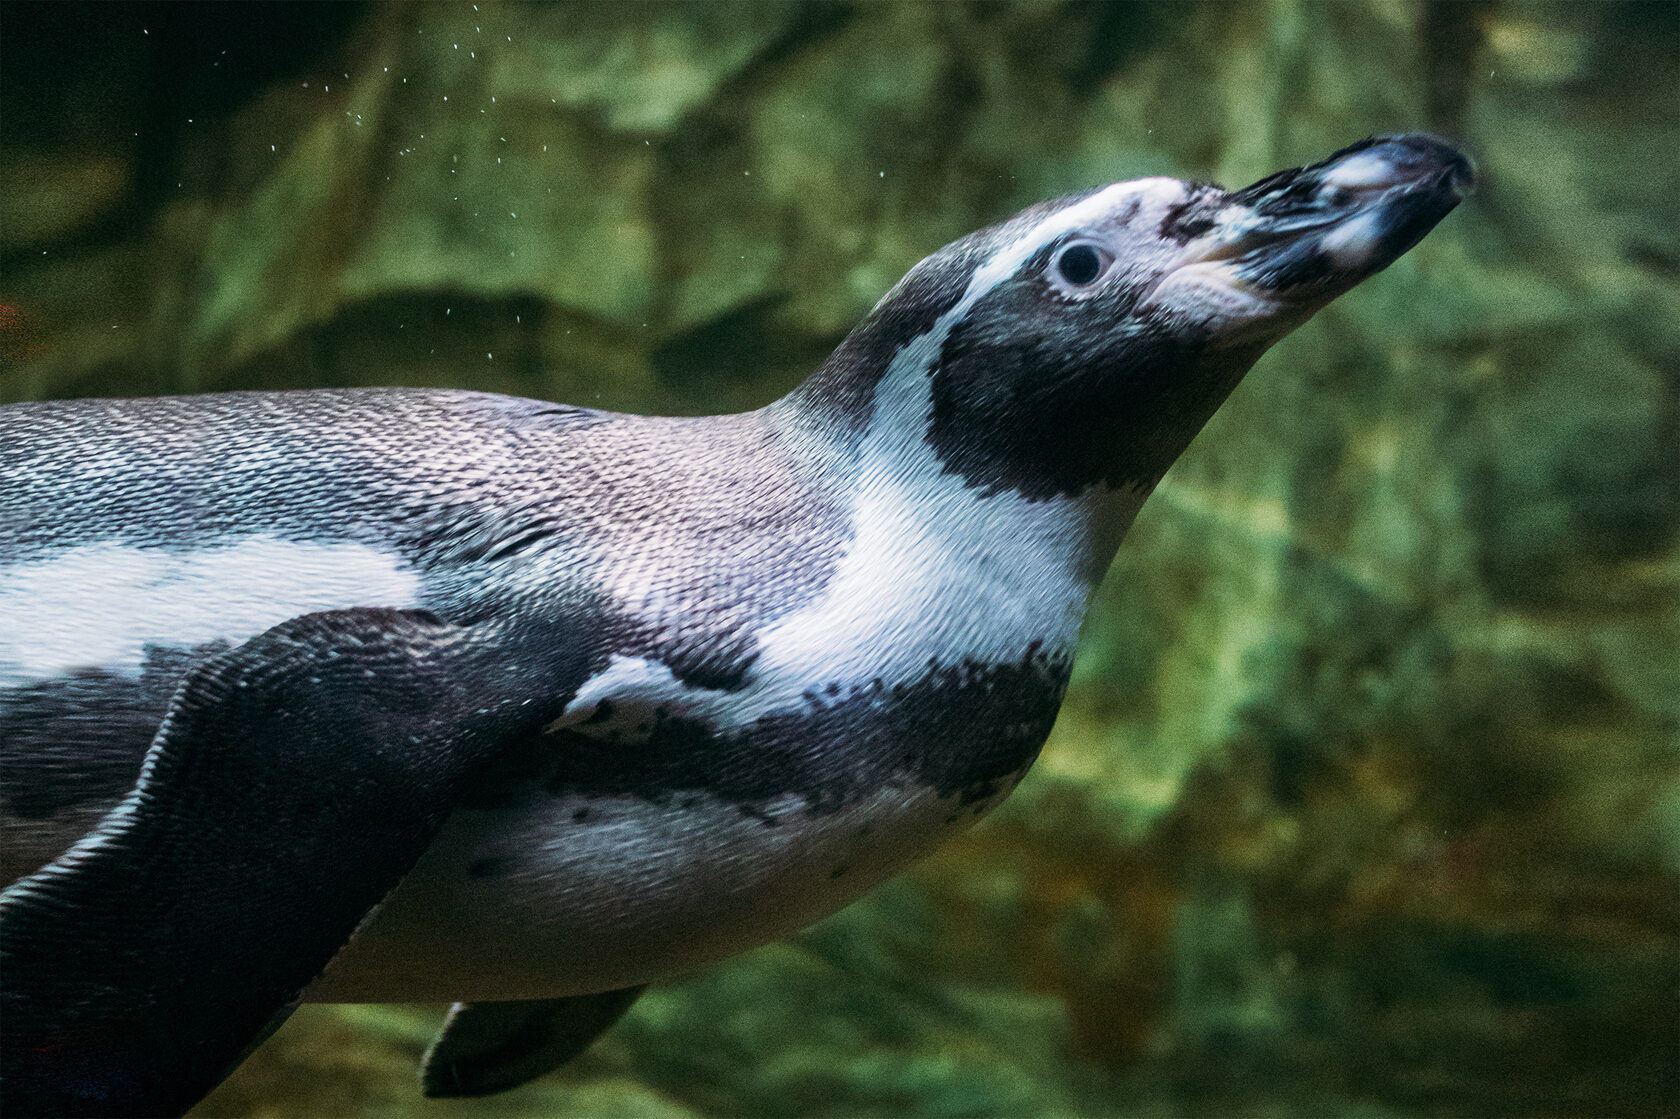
1081,263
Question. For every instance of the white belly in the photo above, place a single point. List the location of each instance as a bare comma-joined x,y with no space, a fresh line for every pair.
564,895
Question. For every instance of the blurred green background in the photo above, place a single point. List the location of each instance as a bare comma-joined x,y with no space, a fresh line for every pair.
1366,799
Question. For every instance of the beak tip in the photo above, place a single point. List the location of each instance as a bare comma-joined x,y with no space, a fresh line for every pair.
1421,156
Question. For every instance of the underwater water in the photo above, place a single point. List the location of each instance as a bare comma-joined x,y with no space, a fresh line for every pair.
1365,799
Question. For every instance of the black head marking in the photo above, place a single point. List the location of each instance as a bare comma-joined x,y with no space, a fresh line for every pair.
1056,378
1043,396
838,395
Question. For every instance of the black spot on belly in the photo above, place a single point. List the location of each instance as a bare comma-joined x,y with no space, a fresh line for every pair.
962,729
488,868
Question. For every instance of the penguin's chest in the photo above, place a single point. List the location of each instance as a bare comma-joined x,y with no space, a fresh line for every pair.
657,825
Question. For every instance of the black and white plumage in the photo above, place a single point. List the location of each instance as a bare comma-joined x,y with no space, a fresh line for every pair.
599,697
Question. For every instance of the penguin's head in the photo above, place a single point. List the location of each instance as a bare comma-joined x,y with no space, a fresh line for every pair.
1086,340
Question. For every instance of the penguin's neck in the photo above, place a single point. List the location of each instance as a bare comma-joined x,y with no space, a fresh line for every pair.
867,413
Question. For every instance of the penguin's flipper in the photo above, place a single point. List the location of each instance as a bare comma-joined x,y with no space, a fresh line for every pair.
489,1047
291,785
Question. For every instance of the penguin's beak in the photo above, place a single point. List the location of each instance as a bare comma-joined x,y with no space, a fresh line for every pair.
1302,237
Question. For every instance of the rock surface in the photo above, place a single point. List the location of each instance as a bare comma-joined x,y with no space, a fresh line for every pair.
1366,798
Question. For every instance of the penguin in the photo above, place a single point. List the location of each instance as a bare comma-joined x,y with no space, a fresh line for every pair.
397,695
